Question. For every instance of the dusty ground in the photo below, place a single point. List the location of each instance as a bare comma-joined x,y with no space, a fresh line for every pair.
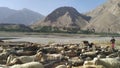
47,38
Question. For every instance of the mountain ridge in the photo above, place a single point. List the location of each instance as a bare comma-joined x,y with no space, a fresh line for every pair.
24,16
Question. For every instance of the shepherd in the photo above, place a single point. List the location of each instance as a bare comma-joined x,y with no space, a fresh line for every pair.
112,41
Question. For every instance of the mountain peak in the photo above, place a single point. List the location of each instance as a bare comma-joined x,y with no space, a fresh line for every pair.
64,17
72,12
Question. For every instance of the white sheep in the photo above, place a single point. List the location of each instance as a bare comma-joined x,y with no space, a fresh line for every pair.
23,59
91,64
75,61
38,57
54,56
4,54
61,66
29,65
88,63
90,54
107,62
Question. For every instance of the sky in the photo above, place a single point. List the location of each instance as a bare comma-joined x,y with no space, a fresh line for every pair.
47,6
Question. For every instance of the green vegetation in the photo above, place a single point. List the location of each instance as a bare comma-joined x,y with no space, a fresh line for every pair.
14,28
49,29
46,29
108,34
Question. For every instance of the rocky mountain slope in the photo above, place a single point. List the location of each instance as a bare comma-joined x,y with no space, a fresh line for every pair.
106,18
63,17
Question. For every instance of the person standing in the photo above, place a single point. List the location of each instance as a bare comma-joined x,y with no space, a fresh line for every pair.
113,42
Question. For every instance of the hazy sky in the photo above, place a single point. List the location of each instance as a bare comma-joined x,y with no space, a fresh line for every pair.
47,6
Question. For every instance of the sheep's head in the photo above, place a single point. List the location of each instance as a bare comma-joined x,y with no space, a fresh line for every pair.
38,56
96,60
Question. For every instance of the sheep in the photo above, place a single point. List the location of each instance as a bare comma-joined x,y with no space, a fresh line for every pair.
48,50
59,49
29,65
73,47
76,61
70,53
25,53
12,59
61,66
4,54
30,47
38,57
19,60
49,57
91,54
91,64
88,58
26,59
107,62
113,55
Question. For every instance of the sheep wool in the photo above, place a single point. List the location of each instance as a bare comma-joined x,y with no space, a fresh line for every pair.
61,66
108,62
29,65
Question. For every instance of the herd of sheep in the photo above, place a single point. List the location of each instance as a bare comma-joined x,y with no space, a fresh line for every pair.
32,55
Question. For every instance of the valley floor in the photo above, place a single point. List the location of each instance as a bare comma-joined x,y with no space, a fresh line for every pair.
46,38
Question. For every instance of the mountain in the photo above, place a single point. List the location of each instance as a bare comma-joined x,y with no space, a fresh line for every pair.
24,16
14,27
5,12
63,17
106,17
